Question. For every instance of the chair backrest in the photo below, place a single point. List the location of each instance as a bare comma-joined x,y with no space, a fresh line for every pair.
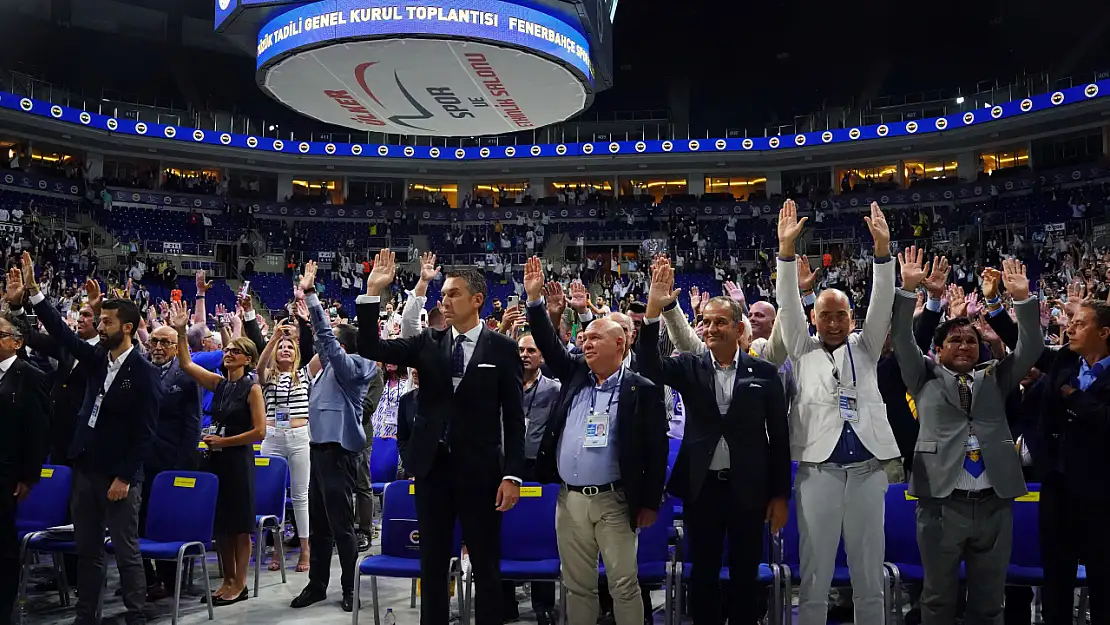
654,541
901,527
48,503
1027,541
271,477
400,531
182,507
528,529
383,460
673,445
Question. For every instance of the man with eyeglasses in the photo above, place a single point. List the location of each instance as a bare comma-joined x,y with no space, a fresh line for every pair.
25,404
175,441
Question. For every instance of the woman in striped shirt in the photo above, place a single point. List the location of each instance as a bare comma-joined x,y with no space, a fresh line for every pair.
285,385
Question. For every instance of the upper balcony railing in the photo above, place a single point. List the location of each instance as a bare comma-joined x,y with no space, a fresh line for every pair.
619,126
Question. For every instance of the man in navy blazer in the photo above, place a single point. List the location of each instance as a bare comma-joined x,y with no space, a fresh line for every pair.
115,430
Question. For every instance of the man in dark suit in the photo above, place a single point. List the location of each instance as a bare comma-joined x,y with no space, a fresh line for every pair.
606,443
466,448
25,408
115,431
175,443
733,468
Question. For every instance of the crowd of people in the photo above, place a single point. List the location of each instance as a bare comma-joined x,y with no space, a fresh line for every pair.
955,373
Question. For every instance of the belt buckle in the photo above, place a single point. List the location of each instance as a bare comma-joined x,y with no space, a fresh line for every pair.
723,475
590,491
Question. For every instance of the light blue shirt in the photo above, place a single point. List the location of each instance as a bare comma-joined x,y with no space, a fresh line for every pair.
591,466
1089,373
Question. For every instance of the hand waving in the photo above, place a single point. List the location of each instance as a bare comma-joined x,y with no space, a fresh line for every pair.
533,278
662,292
991,279
202,286
428,267
789,227
179,316
308,278
957,301
381,276
880,231
914,268
579,296
556,299
937,278
1013,276
807,275
13,291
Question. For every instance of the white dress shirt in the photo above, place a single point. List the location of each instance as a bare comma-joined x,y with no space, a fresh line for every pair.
5,365
967,481
724,381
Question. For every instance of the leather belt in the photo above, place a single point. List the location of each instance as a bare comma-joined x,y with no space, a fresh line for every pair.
590,491
973,495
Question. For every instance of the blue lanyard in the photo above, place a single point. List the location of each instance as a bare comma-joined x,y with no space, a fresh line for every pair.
612,396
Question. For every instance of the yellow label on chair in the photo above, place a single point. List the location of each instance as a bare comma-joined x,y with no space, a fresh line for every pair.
258,446
185,482
202,445
47,473
261,462
412,488
1034,496
531,491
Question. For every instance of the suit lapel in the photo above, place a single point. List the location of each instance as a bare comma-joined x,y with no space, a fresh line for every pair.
951,386
480,349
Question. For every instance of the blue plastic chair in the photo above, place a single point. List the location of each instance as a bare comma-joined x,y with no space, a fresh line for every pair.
271,478
770,576
400,556
383,463
529,550
46,506
655,561
179,523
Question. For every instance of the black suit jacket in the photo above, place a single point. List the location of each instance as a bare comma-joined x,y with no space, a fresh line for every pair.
406,417
755,428
124,432
641,437
178,430
1073,430
489,400
25,413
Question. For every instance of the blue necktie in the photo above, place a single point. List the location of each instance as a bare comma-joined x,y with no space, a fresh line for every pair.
458,362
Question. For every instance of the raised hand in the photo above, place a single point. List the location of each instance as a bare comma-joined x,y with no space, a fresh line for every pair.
381,276
533,278
28,267
428,267
991,279
1013,276
789,228
579,296
556,299
695,298
937,278
246,302
509,318
807,276
301,310
179,316
662,292
308,278
13,290
202,286
880,231
914,268
957,301
973,305
1077,294
734,291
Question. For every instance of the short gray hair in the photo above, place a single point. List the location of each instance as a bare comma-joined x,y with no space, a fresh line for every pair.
734,308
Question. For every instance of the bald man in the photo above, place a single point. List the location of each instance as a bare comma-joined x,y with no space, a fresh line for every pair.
629,329
762,318
175,442
606,443
839,432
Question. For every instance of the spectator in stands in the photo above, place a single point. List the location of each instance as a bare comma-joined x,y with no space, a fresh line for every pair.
840,434
285,390
238,421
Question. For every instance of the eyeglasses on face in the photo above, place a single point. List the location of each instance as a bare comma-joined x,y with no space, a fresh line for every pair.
233,351
10,335
163,342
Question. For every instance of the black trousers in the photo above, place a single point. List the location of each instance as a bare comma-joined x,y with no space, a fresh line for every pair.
543,593
9,552
331,486
709,518
454,489
1073,532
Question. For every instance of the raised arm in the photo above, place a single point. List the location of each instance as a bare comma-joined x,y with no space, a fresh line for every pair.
403,352
1030,343
877,326
410,313
562,364
910,361
662,371
792,317
179,319
328,348
55,326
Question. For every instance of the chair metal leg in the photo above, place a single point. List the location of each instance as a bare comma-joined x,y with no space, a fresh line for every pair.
678,591
787,594
357,597
279,546
667,581
374,598
412,595
23,575
207,584
177,587
887,599
63,580
469,602
258,534
776,615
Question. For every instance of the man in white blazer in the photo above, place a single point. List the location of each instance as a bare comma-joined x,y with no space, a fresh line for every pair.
839,433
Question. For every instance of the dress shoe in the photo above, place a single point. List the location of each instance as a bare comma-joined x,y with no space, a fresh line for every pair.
219,601
308,596
363,540
545,618
348,603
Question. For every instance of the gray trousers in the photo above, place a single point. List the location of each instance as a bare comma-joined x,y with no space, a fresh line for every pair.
979,533
834,499
92,512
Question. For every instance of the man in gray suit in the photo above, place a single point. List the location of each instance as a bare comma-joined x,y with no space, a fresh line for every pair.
966,468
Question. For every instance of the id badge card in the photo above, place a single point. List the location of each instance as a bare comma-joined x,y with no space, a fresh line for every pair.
849,411
597,431
973,443
95,411
281,418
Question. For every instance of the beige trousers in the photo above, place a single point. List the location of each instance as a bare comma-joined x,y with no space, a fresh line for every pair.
587,526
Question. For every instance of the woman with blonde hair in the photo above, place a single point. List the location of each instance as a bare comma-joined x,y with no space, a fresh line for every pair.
238,421
285,385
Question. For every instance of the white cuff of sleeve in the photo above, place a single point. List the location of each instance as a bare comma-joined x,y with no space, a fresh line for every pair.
249,315
652,319
513,478
537,302
36,298
368,299
586,316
